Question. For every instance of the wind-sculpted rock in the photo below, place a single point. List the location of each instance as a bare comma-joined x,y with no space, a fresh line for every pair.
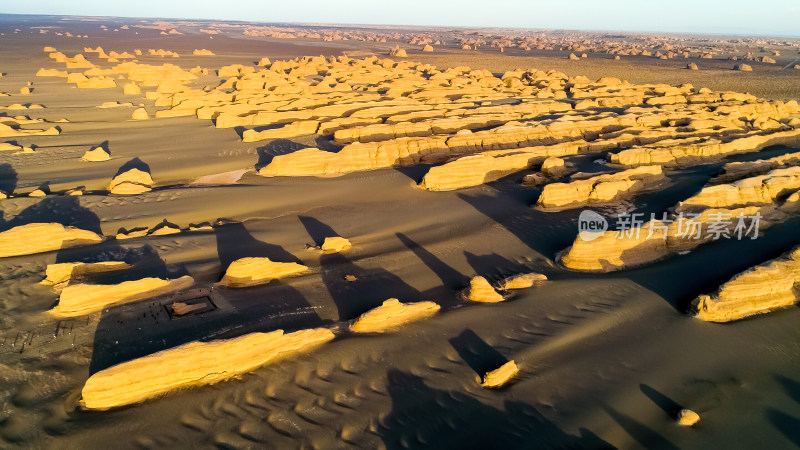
480,290
253,271
335,244
759,190
398,52
738,210
738,170
81,299
194,364
687,418
140,114
521,281
392,315
8,131
96,154
761,289
705,151
602,188
43,237
131,182
63,272
501,376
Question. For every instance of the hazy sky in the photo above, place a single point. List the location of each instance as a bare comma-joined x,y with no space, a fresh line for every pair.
762,17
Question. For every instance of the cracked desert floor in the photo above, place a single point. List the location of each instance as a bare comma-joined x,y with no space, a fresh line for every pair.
228,235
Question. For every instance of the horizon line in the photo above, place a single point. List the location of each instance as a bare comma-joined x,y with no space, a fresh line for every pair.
365,25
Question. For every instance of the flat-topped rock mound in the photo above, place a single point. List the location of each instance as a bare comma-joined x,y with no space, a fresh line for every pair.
81,299
253,271
194,364
764,288
601,188
131,182
43,237
60,273
392,315
335,244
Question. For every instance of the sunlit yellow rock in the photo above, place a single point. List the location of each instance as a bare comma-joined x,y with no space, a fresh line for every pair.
43,237
63,272
194,364
393,314
252,271
481,291
80,299
500,376
335,244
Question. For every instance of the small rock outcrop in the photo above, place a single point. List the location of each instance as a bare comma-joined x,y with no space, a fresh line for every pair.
96,154
500,376
398,52
140,114
687,418
335,244
481,291
131,182
43,237
391,315
253,271
521,281
602,188
56,274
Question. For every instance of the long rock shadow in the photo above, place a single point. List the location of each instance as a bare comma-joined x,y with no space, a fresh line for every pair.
669,406
137,329
8,178
234,242
712,264
451,278
788,425
64,210
644,435
494,267
135,163
275,148
479,355
424,417
371,286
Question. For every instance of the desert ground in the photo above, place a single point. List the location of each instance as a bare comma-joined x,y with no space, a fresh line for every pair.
240,235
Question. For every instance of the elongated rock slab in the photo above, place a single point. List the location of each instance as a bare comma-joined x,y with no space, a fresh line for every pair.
193,364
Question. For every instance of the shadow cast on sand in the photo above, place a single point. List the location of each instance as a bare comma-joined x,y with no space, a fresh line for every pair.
669,406
134,163
67,211
137,329
644,435
453,420
275,148
8,178
785,423
479,356
371,287
234,242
